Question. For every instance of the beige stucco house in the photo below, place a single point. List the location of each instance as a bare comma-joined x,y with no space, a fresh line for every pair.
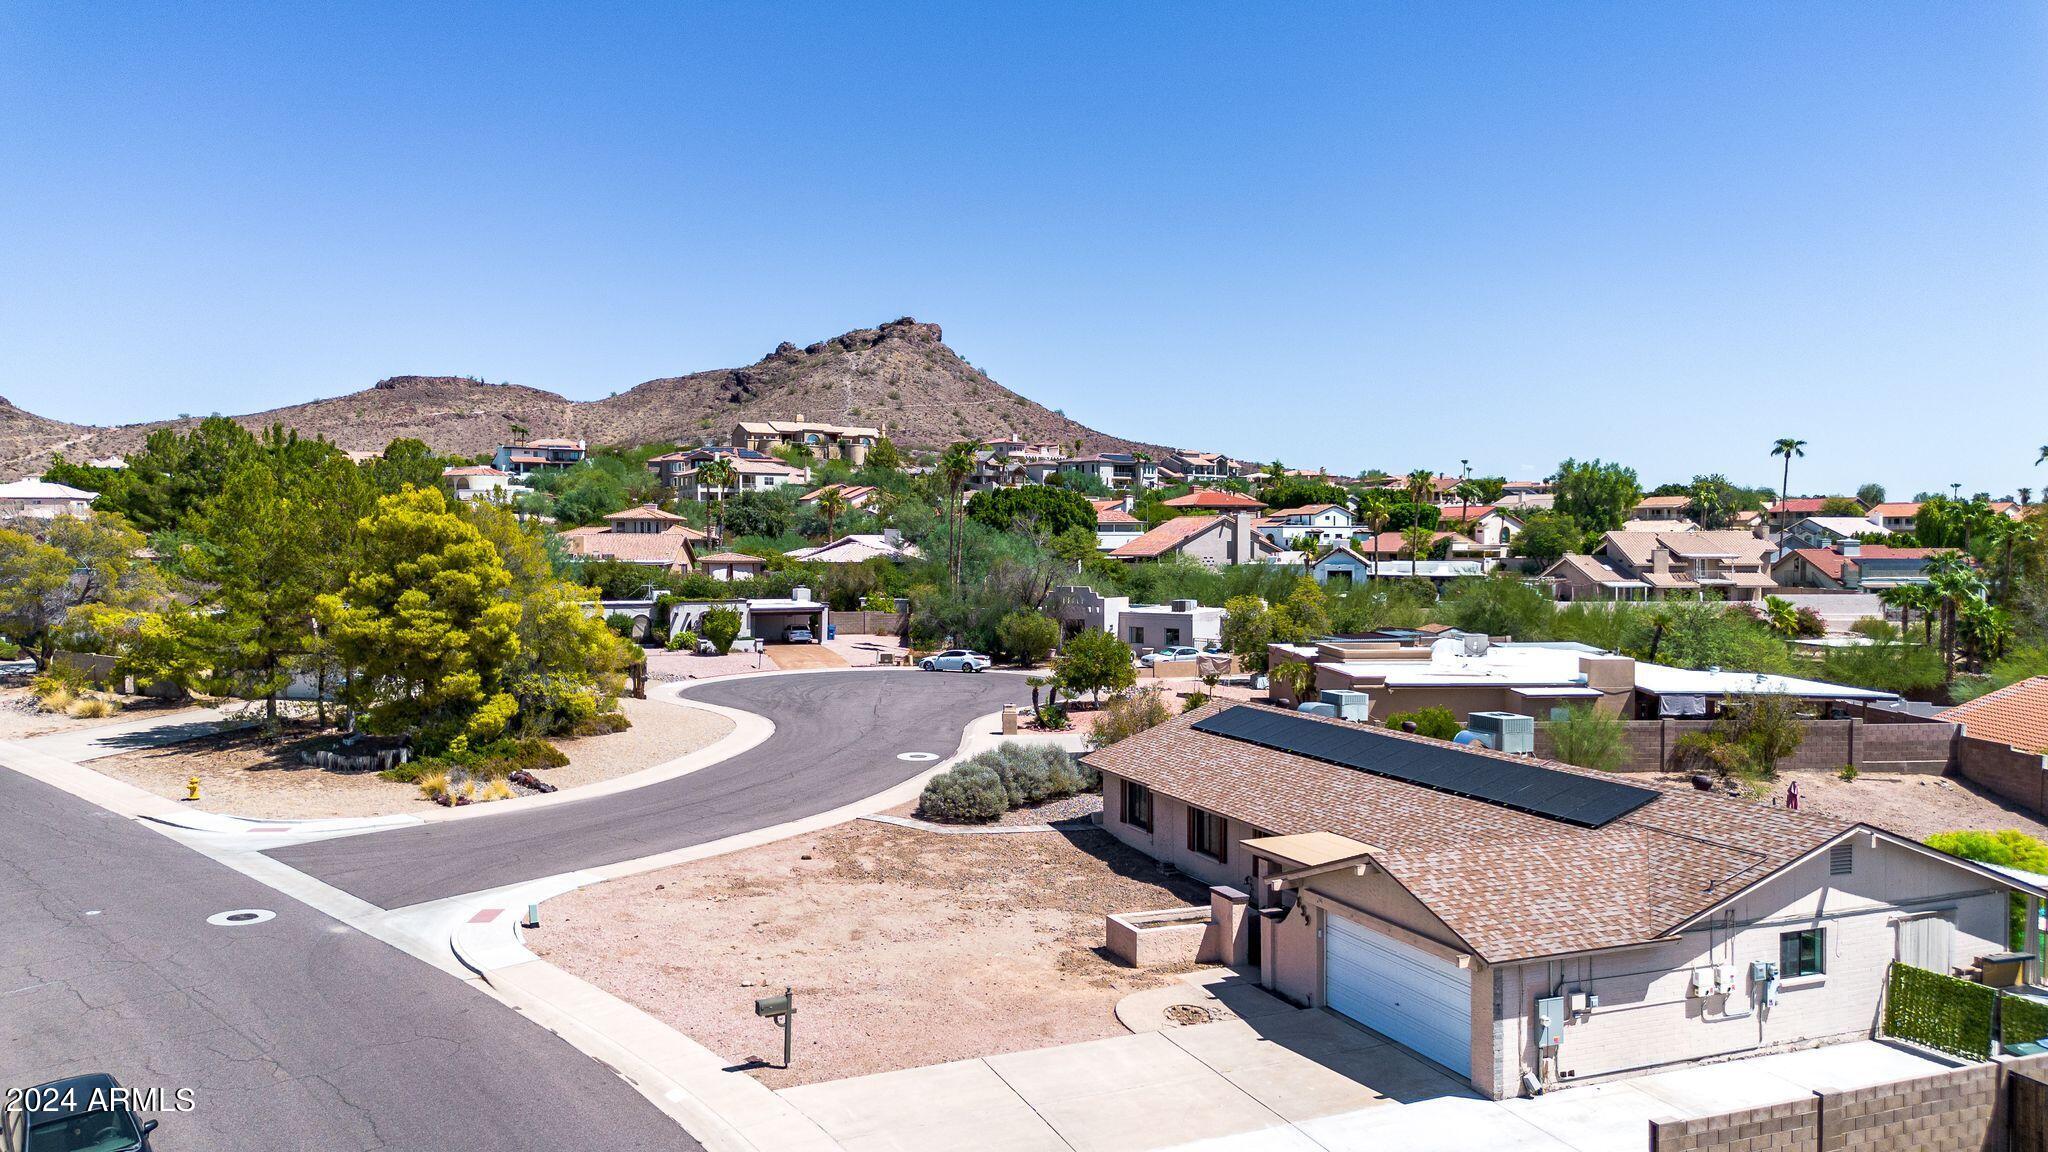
1519,948
1734,566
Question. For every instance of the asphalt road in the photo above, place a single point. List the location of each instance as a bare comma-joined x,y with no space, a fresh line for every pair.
837,736
294,1033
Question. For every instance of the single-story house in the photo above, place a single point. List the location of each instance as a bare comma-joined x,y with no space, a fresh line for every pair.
1524,923
1213,540
1144,627
478,482
44,500
761,618
1826,531
888,544
644,535
731,566
1852,565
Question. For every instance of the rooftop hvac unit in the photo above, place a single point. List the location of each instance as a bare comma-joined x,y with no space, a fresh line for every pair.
1186,605
1349,705
1505,731
1317,708
1476,645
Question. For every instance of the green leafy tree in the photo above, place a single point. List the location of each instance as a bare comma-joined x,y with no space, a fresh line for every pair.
1870,495
36,593
407,462
1435,723
1598,496
1247,629
832,504
884,457
1590,738
1094,662
75,562
1713,501
1766,727
1545,536
1498,605
1841,506
424,619
1028,637
1034,510
721,626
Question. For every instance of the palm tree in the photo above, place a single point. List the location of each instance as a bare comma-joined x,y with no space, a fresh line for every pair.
1788,448
833,505
1955,583
2042,456
1781,616
1420,485
1905,598
956,464
717,472
1466,492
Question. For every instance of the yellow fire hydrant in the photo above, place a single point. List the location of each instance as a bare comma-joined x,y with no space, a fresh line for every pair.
192,788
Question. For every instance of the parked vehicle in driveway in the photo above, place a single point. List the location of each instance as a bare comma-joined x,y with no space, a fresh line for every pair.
956,660
89,1113
1177,652
799,636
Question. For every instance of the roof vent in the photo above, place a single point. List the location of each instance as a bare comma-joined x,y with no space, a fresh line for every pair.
1842,859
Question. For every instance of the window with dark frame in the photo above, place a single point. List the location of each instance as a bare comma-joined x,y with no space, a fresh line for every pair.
1137,805
1205,834
1802,953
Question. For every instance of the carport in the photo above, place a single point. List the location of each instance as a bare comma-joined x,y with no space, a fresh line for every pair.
771,620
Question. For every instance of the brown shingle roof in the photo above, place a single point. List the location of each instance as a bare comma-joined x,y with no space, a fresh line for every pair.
1168,537
1510,884
2015,715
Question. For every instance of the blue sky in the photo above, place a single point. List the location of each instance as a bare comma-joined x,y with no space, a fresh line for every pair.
1348,236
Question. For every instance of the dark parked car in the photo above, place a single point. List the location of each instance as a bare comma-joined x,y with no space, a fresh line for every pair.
82,1114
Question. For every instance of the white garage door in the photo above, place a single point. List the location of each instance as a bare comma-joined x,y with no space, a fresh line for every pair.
1399,991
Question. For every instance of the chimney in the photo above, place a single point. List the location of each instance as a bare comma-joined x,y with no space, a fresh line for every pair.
1850,548
892,535
1660,560
1241,538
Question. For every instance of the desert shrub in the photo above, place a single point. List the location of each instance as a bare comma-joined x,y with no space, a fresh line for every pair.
1437,723
1035,773
497,790
721,626
682,640
1028,637
56,698
1194,700
434,785
1127,716
487,762
1767,728
1709,752
601,723
1053,718
1590,738
620,624
1848,772
967,793
92,708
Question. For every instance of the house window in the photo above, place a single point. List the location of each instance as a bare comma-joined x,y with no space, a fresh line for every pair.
1137,635
1172,636
1841,859
1137,805
1205,834
1802,953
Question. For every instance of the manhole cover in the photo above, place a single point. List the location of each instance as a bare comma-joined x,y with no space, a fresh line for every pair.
1189,1014
920,757
240,917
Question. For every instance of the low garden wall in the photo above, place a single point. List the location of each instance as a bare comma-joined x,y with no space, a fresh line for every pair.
1181,936
1829,745
868,623
2004,771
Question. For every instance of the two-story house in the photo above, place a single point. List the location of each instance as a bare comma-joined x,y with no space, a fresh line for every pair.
1199,467
531,456
826,441
1315,523
1851,565
1734,566
644,535
1895,516
1118,471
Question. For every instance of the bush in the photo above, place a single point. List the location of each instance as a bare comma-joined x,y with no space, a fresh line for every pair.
1590,738
600,724
1194,700
1053,718
1126,716
1848,772
487,762
1094,662
721,626
1708,752
92,708
968,793
1028,637
497,790
433,785
56,698
620,624
1436,723
682,640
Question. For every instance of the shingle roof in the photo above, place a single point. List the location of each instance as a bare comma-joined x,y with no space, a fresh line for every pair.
1665,502
1167,537
1902,508
1510,884
2015,715
670,548
1833,564
1212,498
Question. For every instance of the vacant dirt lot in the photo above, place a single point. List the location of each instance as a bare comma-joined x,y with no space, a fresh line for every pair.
1916,806
905,948
240,775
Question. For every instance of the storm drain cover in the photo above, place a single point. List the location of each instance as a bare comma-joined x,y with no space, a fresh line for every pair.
240,916
917,756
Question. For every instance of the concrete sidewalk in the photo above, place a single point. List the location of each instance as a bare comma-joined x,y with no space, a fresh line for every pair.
80,745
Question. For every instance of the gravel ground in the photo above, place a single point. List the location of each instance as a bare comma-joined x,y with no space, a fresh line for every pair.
240,775
21,718
905,948
1910,805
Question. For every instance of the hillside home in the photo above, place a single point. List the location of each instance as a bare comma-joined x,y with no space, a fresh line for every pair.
751,472
856,496
1117,471
731,566
1523,923
1200,467
1213,540
1144,627
1469,673
826,441
1663,511
1852,566
888,544
644,535
1895,516
478,482
532,456
1653,565
1314,523
43,500
1825,531
1114,524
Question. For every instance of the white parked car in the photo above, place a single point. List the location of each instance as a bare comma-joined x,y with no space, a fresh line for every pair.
956,660
1177,652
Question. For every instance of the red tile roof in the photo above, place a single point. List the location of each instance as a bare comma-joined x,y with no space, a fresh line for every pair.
1833,564
2015,715
1801,505
1168,537
1512,885
1895,510
1215,499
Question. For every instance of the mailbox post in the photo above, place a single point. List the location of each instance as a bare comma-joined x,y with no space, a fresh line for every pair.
783,1008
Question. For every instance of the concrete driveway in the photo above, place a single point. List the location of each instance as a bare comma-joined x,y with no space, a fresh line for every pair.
1282,1078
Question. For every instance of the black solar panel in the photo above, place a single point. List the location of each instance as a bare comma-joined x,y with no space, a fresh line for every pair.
1587,801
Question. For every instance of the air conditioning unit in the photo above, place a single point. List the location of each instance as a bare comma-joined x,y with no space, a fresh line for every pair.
1505,731
1349,705
1186,605
1476,645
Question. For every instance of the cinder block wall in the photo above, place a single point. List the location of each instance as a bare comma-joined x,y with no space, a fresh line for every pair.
1958,1111
2021,777
1828,745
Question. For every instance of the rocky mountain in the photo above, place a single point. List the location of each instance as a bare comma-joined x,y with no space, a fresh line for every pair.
900,377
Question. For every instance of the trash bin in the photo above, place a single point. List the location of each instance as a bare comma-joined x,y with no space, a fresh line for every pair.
831,631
